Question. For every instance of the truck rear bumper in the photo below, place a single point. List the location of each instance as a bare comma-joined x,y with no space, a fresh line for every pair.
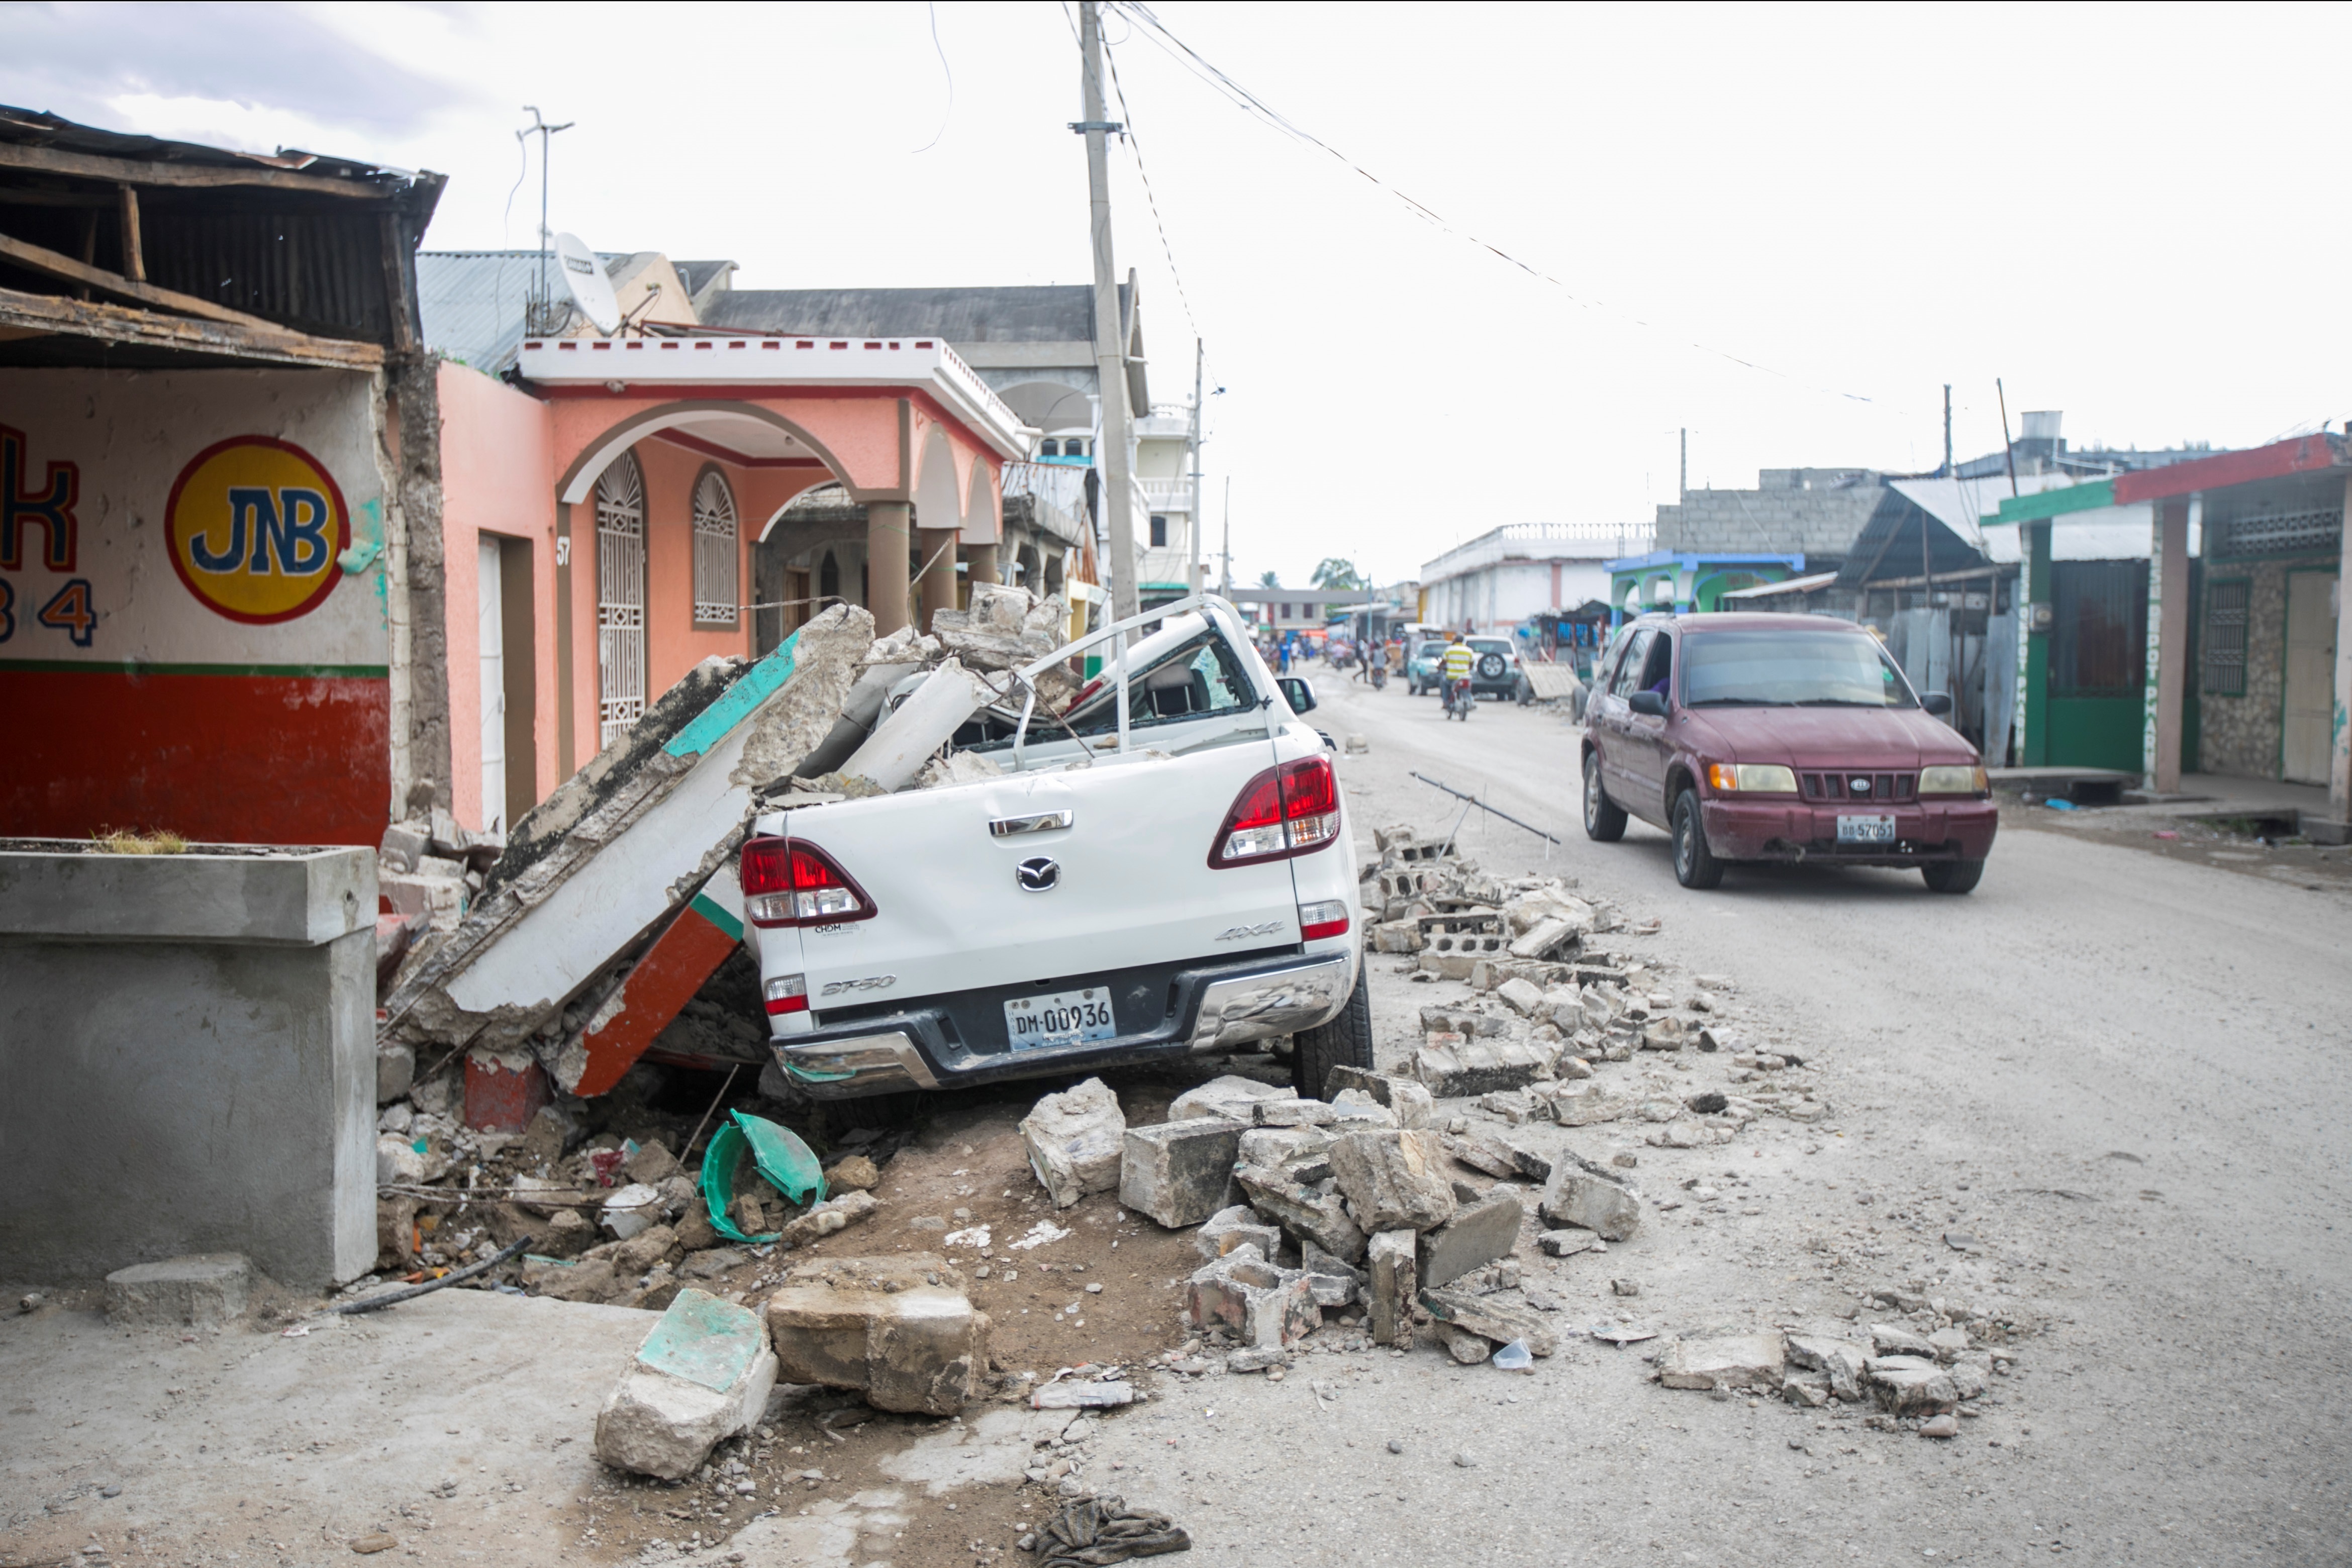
1210,1007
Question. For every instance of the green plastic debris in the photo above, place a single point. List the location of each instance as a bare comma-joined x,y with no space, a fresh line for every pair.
783,1161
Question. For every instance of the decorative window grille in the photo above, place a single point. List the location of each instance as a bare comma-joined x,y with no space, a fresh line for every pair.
2288,533
620,599
2226,603
717,562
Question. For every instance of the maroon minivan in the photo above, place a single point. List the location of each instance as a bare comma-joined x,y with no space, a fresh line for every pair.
1762,737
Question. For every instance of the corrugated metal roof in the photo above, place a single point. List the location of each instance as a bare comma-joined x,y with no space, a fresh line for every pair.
1046,313
472,302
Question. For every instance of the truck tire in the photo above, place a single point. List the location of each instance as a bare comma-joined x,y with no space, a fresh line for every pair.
1345,1041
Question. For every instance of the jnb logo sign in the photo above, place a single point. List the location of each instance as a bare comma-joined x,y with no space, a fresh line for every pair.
255,526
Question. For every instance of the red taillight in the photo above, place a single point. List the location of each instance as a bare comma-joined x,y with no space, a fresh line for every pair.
1290,810
790,882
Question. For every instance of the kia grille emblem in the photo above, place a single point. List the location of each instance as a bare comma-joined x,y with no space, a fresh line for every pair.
1859,787
1039,874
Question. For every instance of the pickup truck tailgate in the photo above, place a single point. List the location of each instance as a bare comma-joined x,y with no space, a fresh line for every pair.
1126,881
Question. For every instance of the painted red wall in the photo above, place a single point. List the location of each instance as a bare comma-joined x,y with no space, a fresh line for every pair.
217,759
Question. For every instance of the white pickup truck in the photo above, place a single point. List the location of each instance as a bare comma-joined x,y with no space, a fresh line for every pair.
1166,869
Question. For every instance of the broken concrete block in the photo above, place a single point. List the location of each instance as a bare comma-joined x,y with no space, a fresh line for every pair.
1230,1097
652,1163
900,1329
1178,1172
1456,1068
1543,939
1261,1305
201,1290
1464,1346
1292,1113
1359,1112
1586,1104
1393,1181
396,1071
1579,1198
1074,1141
1306,1212
1278,1146
836,1213
1893,1338
1332,1282
1407,1099
1257,1359
1483,1152
855,1175
1733,1360
1497,1316
1904,1384
703,1376
1524,996
1478,1234
1566,1243
1236,1226
1391,1284
1844,1361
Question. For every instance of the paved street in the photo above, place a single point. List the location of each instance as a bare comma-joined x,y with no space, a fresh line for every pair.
2125,1074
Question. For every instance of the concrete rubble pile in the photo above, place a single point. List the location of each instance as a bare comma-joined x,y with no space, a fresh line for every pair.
562,952
1915,1374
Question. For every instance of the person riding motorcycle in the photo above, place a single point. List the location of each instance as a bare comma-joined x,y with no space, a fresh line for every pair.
1455,670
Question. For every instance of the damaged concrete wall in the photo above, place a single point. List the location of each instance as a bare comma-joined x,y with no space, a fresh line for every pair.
416,401
187,1060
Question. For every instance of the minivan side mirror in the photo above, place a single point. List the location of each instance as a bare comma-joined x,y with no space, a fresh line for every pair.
1647,702
1298,692
1938,703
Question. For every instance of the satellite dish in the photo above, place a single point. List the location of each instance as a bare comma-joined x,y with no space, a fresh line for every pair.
591,290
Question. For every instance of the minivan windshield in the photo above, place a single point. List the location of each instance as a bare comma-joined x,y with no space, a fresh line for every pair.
1789,669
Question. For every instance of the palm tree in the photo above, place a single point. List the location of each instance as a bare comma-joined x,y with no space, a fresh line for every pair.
1269,579
1336,573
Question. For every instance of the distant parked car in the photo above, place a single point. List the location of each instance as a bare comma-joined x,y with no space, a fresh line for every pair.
1780,738
1495,671
1420,672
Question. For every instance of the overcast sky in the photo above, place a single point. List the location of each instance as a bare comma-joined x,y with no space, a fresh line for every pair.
2129,215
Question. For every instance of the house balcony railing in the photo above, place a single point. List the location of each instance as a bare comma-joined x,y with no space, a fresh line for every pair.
1539,541
1167,495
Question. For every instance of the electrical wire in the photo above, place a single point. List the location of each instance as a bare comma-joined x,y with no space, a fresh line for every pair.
949,113
1250,103
1151,197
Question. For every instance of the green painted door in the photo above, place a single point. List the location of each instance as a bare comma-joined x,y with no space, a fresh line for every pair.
2098,663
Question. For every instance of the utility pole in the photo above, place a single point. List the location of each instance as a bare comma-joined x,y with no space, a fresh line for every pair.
1228,551
1948,430
1682,492
1110,333
1193,518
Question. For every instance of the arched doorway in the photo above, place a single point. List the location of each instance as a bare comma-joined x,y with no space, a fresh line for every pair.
620,599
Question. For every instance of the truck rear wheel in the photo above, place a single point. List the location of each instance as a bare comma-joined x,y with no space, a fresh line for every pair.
1345,1041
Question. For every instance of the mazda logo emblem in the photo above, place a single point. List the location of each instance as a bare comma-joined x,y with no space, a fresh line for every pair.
1039,874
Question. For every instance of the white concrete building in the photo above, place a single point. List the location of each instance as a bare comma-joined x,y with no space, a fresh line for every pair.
1496,581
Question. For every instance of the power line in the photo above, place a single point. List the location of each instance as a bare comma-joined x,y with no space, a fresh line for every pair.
1151,197
1250,103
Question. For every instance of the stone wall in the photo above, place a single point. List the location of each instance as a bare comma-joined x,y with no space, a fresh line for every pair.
2241,736
1774,521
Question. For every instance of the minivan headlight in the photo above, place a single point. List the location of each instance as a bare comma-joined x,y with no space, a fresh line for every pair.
1754,777
1954,780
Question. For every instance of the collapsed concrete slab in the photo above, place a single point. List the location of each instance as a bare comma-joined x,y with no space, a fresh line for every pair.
1231,1096
1455,1067
703,1376
1577,1197
600,865
1076,1140
1731,1360
1178,1172
1500,1318
908,737
1238,1226
900,1329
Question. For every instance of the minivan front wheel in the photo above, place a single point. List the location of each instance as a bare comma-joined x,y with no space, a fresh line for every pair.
1604,822
1695,864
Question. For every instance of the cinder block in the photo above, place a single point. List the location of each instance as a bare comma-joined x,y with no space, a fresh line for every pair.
1177,1172
900,1329
202,1290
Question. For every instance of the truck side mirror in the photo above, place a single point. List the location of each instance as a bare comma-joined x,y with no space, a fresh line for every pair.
1298,692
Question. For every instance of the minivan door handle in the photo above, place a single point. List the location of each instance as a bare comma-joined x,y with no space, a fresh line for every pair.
1035,822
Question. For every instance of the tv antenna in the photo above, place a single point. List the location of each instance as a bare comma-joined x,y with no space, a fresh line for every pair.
543,130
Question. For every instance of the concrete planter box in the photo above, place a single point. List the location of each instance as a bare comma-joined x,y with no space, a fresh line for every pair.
187,1059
